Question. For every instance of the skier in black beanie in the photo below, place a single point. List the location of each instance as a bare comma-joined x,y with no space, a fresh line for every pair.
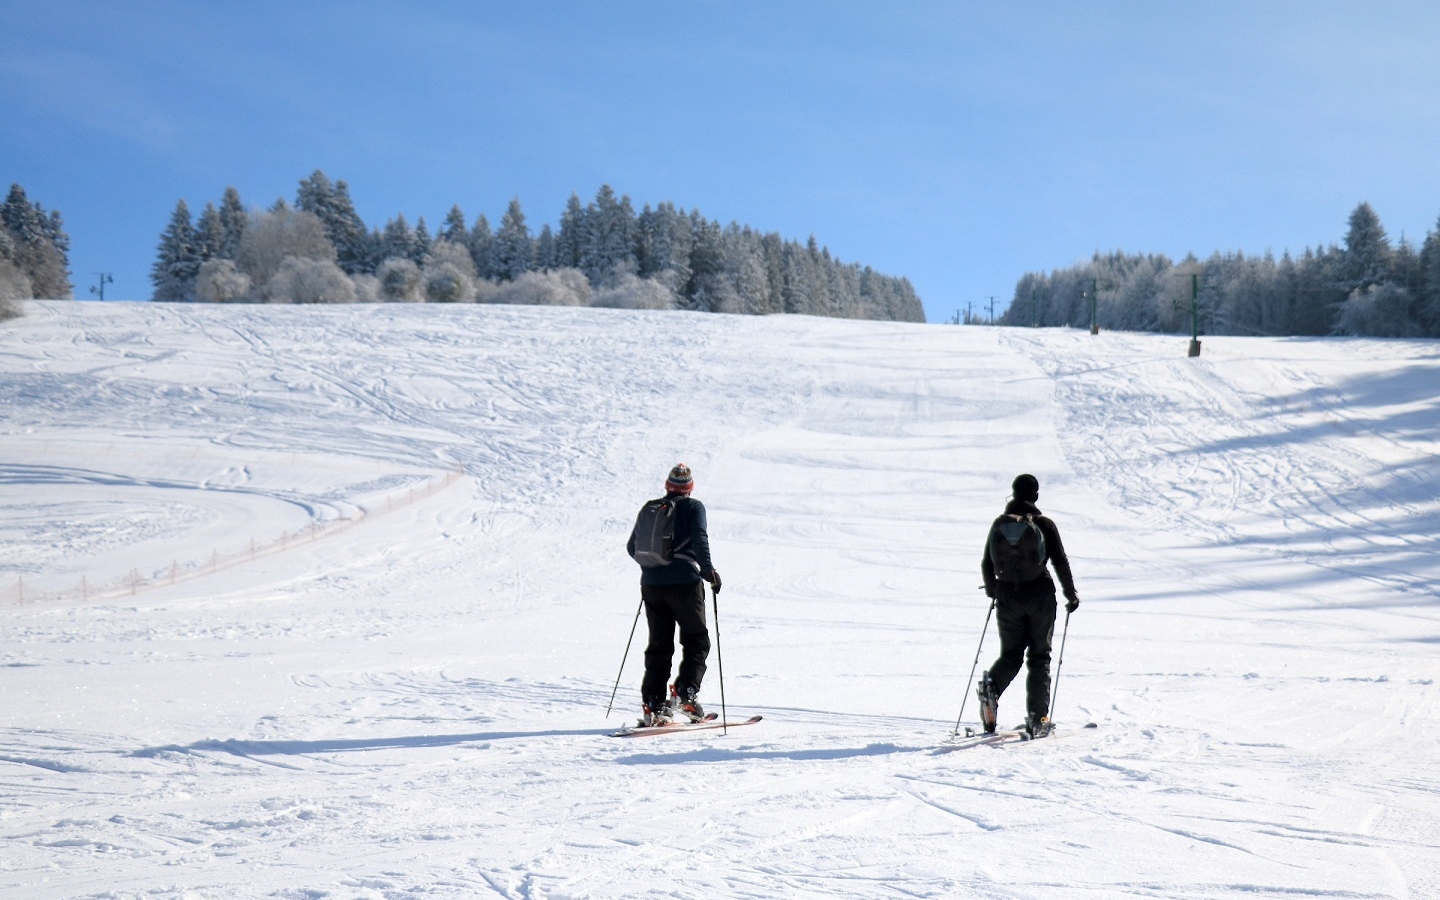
1019,544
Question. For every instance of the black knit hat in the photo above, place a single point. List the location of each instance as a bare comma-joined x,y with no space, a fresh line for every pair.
1026,487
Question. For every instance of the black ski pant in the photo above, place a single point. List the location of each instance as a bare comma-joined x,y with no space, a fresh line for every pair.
1026,620
666,607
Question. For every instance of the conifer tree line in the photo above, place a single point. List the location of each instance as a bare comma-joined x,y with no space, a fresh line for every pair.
604,253
1365,287
34,253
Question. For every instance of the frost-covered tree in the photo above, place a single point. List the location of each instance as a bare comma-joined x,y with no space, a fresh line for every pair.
1378,310
303,280
14,287
220,281
513,250
177,259
400,281
449,273
633,292
562,287
445,283
273,236
37,245
367,289
444,251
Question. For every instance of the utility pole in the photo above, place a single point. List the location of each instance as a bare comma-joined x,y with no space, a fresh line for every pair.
992,309
99,290
1194,311
969,317
1093,294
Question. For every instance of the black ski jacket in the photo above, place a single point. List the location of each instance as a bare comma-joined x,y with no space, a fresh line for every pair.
692,548
1054,552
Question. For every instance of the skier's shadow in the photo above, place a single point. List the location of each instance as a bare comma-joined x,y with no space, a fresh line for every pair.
251,749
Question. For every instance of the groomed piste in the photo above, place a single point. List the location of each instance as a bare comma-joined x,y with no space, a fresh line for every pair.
312,603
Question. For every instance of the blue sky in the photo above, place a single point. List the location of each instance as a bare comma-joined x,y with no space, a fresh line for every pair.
959,144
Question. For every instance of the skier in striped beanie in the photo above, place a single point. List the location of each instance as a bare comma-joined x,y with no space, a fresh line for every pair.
672,546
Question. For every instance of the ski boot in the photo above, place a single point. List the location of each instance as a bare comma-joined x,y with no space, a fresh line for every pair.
654,714
989,702
1037,726
687,705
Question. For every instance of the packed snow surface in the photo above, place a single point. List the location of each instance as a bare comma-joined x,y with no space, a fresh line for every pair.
328,603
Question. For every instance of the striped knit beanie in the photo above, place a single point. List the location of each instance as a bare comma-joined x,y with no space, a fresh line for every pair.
680,481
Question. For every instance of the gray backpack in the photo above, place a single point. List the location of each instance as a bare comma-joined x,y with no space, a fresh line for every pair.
655,533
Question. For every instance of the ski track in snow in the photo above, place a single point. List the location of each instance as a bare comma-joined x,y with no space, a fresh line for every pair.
414,706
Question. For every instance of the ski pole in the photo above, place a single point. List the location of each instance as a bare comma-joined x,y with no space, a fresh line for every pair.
720,660
1055,690
633,626
966,696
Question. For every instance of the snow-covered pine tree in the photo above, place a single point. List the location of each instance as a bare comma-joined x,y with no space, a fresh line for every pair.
233,220
568,241
546,256
422,242
331,204
177,259
209,234
397,241
1430,271
514,250
1367,250
453,229
707,264
482,245
607,242
663,245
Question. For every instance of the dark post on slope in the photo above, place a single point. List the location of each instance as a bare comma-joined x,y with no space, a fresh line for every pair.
1194,315
966,695
1055,690
719,660
631,640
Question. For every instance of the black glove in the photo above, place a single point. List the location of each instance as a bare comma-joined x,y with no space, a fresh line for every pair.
1072,601
714,580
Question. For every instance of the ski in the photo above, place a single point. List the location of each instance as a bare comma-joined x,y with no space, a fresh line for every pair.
981,739
710,723
972,738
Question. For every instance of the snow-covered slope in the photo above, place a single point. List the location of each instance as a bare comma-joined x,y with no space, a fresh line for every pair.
328,603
